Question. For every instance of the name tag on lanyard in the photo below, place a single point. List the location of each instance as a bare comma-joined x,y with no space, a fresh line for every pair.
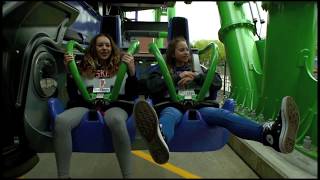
100,86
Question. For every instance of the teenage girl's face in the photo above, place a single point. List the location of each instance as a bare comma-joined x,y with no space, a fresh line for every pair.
104,48
182,52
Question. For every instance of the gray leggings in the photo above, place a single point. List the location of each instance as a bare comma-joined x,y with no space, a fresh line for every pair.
115,119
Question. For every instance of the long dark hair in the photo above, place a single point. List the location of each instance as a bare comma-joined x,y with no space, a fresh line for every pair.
170,59
89,64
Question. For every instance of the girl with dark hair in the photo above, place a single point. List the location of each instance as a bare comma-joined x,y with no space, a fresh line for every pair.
279,134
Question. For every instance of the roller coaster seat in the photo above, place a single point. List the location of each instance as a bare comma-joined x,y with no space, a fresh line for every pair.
178,27
92,134
193,134
113,21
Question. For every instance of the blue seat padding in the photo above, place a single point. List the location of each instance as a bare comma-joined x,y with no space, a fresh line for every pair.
91,135
229,104
95,136
55,108
194,135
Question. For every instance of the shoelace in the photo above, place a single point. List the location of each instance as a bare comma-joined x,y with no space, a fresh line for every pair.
164,138
268,125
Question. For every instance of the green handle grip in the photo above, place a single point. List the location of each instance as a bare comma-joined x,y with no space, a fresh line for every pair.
210,75
163,34
74,70
165,72
209,46
133,48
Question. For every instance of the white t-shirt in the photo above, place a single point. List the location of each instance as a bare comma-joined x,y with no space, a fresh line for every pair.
102,83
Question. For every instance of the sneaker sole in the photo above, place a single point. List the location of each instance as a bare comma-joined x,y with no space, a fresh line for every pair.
290,124
147,124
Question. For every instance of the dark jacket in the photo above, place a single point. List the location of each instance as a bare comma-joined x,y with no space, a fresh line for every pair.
157,88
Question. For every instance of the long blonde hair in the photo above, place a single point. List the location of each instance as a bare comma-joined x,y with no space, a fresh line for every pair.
89,64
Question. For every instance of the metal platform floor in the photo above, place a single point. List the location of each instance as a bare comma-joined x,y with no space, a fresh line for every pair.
224,163
238,159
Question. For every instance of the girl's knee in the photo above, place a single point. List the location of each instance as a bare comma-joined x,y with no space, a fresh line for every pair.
61,123
209,109
115,117
214,112
172,111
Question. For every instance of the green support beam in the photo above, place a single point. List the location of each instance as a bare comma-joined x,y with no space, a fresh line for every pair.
289,61
242,55
170,12
264,71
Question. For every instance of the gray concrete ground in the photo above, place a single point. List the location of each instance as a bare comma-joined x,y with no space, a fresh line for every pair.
223,163
239,159
268,163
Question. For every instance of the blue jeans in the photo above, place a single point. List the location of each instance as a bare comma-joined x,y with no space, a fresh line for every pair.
238,125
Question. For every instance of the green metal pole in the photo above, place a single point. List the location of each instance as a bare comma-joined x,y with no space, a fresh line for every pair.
288,67
210,75
163,34
157,18
171,12
261,46
242,56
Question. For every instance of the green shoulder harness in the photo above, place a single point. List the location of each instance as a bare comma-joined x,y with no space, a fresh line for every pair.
113,95
168,79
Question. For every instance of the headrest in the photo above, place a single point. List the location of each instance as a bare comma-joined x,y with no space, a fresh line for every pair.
112,25
178,26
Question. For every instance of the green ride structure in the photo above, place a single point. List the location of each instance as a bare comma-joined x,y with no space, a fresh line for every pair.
263,71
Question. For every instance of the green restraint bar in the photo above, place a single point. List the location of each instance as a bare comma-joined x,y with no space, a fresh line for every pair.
133,48
153,49
74,70
213,64
169,82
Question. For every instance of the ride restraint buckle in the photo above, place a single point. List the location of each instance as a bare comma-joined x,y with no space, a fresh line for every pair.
187,93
